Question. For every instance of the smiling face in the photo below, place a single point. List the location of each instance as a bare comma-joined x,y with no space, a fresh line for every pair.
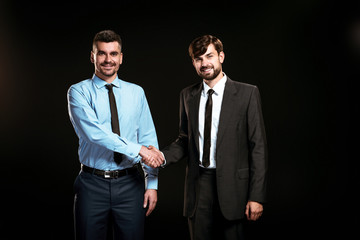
107,58
209,65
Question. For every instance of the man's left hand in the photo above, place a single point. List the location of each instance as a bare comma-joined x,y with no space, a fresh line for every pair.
253,210
150,200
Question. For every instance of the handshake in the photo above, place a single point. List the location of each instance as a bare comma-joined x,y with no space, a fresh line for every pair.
152,156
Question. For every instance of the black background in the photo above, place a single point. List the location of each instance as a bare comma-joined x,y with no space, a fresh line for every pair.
301,54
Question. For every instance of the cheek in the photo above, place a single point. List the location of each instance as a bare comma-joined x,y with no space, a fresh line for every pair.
118,61
98,60
197,67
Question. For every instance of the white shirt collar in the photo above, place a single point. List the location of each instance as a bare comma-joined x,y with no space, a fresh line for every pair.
218,88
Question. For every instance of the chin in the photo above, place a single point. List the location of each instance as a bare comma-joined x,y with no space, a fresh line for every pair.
209,78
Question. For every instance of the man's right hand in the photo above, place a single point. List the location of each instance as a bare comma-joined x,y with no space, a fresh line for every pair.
151,156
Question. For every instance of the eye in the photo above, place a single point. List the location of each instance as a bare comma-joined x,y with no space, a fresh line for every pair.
114,54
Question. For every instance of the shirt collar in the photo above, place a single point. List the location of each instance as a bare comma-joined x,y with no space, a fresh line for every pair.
218,88
101,83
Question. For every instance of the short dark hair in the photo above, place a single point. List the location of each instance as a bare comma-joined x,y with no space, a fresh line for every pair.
107,36
200,44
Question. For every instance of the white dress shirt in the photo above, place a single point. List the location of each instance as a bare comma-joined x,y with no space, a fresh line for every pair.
217,98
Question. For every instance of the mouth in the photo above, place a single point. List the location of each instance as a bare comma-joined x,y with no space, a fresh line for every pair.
107,66
206,69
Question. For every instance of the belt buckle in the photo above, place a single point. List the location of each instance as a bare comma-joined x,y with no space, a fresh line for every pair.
107,174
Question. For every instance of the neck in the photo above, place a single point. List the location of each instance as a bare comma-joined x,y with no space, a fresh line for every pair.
108,79
213,82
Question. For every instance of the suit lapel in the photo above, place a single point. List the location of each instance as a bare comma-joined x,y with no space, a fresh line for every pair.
226,109
194,102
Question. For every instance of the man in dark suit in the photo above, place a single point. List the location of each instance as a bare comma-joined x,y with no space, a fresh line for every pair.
222,135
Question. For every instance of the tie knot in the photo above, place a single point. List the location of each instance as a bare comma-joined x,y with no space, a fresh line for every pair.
109,87
210,91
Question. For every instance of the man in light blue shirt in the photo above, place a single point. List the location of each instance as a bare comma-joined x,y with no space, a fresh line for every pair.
109,191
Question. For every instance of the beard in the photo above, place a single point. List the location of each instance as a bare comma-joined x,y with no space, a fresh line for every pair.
108,73
209,76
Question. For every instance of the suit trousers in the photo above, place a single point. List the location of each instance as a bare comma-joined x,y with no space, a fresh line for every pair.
208,223
114,206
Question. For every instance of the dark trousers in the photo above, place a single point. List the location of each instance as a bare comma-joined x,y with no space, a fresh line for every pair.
208,222
105,205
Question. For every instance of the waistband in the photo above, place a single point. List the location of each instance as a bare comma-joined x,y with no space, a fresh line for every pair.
109,174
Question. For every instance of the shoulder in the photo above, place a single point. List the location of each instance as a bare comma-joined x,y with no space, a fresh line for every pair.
243,85
131,87
241,88
82,86
191,89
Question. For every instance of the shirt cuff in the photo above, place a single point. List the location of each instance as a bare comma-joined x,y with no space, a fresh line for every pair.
164,163
151,182
133,150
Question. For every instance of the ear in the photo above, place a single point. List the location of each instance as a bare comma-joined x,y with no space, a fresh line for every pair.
221,57
121,58
92,57
193,62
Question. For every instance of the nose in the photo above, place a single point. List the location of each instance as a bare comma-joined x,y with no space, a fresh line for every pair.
107,58
204,63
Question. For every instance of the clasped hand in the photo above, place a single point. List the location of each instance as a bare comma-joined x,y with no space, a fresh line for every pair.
151,156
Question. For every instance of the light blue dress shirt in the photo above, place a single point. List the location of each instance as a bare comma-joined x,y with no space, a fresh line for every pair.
89,111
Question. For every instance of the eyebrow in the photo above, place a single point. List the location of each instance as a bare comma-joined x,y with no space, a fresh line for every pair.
205,55
112,52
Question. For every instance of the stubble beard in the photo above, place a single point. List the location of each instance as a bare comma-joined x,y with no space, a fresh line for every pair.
209,77
107,73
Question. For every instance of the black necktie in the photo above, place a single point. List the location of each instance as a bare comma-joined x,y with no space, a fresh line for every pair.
207,130
114,119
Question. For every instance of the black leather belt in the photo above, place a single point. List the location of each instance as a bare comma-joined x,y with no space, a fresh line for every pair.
109,174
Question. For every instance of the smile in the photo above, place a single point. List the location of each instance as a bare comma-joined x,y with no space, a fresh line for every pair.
107,66
206,70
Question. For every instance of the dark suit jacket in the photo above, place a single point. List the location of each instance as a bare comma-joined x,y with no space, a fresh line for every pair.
241,149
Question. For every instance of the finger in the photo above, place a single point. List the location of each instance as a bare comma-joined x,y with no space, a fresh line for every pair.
255,216
149,211
247,212
146,197
160,158
146,161
155,149
157,163
152,205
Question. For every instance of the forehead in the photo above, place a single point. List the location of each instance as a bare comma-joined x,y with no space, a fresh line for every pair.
107,46
210,49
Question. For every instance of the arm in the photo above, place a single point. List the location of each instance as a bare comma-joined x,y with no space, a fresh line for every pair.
178,149
87,126
258,149
146,137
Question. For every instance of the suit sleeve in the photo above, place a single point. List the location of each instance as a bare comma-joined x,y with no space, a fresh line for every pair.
258,149
177,150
